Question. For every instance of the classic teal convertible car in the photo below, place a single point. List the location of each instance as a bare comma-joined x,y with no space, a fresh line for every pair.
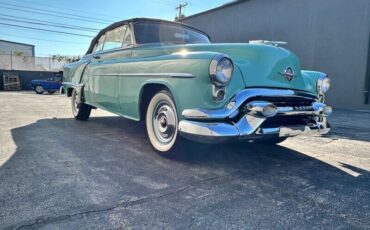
171,75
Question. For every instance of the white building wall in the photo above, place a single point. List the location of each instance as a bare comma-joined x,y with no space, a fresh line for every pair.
7,48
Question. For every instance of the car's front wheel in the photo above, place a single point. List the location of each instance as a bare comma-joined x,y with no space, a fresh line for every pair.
80,110
162,123
39,89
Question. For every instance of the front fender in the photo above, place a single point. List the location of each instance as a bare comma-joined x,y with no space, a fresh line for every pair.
312,77
189,92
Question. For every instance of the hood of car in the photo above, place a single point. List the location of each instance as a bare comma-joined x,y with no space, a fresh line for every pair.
261,65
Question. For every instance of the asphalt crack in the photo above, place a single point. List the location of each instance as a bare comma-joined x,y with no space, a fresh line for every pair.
121,204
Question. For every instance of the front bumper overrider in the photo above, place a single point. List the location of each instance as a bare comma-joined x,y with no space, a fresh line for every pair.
258,113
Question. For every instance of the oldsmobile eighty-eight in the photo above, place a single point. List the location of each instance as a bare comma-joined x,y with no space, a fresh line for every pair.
172,77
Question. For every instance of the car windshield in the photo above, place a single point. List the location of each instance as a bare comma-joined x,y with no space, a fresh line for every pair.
151,32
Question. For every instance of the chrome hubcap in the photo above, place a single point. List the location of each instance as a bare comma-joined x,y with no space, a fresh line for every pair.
39,88
164,122
76,103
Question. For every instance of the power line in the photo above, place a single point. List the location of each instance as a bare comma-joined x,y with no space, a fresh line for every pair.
57,12
43,24
50,14
48,40
63,8
46,30
54,23
196,5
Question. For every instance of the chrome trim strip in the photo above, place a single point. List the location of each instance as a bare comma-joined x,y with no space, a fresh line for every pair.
317,108
72,84
289,74
161,75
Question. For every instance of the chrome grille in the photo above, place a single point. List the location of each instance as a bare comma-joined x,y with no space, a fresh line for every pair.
286,103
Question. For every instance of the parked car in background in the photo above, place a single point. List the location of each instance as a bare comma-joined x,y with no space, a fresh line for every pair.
171,75
50,85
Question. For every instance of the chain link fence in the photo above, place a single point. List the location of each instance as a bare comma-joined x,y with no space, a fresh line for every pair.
14,62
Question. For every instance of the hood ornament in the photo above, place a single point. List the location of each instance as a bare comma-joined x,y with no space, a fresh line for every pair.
288,73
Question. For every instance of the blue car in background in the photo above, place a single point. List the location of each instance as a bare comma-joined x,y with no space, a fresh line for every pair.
51,85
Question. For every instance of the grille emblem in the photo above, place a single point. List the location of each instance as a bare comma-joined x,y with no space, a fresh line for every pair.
288,73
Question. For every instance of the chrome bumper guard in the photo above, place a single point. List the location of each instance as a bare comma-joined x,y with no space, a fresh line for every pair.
221,124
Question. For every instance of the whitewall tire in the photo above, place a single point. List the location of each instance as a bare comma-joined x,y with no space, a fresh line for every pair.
162,122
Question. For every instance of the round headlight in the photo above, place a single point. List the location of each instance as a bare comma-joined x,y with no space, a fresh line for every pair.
323,84
221,70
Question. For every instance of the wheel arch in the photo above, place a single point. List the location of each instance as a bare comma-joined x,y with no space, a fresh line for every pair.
70,86
148,90
69,91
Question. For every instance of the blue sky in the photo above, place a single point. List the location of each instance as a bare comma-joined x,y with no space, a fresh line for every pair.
106,11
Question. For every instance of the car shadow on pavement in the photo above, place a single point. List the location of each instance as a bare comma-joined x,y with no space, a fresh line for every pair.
64,166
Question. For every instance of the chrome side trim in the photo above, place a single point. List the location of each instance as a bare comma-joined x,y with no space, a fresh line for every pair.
73,84
237,101
161,75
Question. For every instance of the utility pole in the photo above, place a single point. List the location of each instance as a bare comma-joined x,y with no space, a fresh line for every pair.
179,8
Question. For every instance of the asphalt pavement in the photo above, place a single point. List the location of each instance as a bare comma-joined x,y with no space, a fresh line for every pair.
59,173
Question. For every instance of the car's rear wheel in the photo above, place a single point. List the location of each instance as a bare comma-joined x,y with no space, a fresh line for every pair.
80,110
39,89
51,91
162,123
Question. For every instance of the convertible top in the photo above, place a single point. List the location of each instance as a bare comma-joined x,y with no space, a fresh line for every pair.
134,20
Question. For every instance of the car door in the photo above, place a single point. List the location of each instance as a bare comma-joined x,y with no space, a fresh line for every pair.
58,81
104,69
48,84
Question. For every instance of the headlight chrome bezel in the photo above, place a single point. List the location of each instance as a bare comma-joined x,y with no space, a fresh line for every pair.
323,84
218,77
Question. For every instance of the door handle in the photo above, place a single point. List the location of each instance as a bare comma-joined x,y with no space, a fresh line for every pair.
96,57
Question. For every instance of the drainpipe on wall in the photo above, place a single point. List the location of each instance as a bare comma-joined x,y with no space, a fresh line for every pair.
367,77
11,60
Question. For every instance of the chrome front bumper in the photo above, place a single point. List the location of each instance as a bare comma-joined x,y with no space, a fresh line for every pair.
240,119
